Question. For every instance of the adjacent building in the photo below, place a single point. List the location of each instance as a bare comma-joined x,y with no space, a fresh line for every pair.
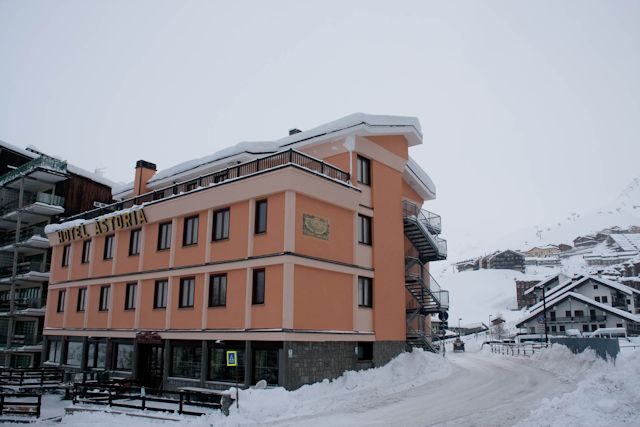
35,189
308,256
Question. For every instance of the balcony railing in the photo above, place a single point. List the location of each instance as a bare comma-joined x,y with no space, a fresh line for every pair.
24,234
31,198
42,162
21,340
580,319
25,267
22,304
274,161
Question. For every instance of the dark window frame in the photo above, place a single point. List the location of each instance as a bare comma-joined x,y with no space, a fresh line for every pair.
260,217
190,284
108,247
164,236
103,302
365,292
81,302
190,238
258,286
66,252
365,226
130,295
86,252
160,291
363,170
62,296
135,242
218,290
226,221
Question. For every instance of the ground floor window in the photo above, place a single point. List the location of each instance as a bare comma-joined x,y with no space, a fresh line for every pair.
364,351
218,369
185,361
123,356
585,328
97,355
20,361
74,353
265,366
55,351
562,329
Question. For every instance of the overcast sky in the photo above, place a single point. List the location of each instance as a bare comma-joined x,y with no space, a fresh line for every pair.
530,110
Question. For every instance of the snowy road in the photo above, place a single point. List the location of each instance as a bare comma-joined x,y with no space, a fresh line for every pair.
483,390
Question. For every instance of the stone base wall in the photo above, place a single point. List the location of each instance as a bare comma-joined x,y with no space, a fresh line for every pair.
310,362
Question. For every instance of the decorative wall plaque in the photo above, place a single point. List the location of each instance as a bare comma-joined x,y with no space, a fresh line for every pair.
315,227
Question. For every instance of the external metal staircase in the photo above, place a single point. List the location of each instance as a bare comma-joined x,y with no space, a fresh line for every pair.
422,229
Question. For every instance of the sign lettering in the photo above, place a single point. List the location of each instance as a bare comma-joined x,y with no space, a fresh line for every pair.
106,225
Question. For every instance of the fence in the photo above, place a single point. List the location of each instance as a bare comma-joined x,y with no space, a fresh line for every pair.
15,404
528,349
124,396
31,376
604,347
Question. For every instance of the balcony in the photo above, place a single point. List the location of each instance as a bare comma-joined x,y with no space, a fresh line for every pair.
24,306
40,173
431,298
30,240
26,272
36,207
422,228
288,158
22,342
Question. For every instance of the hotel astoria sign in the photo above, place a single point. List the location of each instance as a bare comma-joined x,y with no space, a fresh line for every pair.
315,227
123,221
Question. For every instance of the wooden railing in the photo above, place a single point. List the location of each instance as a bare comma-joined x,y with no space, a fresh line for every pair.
31,376
15,404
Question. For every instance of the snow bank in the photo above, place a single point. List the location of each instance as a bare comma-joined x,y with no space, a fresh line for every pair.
607,394
406,371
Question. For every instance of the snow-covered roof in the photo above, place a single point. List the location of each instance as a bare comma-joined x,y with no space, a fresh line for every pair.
364,124
33,152
559,298
626,242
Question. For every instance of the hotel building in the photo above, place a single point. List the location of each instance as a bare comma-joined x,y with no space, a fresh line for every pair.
307,255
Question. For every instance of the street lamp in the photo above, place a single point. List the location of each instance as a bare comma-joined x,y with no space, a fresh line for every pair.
544,315
489,326
459,330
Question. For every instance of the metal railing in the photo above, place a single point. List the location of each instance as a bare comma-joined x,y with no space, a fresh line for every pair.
415,271
528,349
22,303
25,267
599,318
31,198
24,234
274,161
431,221
21,340
42,162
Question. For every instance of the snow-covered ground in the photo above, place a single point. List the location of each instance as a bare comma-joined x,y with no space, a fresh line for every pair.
475,388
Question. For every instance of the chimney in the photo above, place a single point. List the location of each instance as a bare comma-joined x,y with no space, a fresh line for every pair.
294,131
144,171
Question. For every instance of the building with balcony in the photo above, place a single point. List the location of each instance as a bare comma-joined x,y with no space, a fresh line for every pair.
308,256
585,303
35,190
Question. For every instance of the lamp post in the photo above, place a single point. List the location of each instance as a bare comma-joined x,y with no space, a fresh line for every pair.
489,326
544,313
459,330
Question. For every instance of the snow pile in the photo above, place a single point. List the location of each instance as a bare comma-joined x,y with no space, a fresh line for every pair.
406,371
607,395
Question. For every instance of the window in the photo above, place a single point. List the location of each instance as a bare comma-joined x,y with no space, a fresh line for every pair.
134,242
561,328
66,250
103,304
190,233
217,290
55,351
594,327
160,294
61,296
365,288
257,296
364,351
364,170
595,286
82,299
265,365
218,369
74,353
261,217
191,185
602,325
185,361
108,247
578,313
567,313
164,236
364,230
597,299
123,356
585,328
187,290
553,328
130,296
221,224
552,315
618,325
86,251
605,300
97,355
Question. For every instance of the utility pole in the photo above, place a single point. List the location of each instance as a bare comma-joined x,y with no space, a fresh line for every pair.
544,308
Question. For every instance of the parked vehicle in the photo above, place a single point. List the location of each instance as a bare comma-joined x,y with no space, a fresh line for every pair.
530,338
573,333
458,345
610,333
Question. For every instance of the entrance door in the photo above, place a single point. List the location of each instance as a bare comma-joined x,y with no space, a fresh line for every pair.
150,363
